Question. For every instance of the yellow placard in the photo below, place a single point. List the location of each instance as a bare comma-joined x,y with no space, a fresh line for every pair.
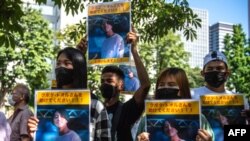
222,100
55,97
108,8
109,61
172,107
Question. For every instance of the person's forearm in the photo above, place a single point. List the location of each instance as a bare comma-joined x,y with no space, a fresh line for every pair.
142,92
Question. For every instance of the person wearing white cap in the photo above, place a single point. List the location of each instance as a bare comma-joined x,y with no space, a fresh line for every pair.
215,72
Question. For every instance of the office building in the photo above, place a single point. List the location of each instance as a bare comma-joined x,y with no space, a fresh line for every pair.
199,47
217,33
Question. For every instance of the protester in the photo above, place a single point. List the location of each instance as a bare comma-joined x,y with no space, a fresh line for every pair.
124,115
19,98
172,83
71,73
215,72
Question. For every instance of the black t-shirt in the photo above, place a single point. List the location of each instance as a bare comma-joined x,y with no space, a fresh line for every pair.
130,113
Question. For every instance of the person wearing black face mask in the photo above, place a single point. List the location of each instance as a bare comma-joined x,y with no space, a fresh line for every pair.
124,115
172,84
71,73
64,76
215,72
108,91
167,93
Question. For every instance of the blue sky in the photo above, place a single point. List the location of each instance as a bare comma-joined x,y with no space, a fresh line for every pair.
230,11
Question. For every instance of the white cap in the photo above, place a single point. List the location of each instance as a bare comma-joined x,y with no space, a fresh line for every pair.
214,55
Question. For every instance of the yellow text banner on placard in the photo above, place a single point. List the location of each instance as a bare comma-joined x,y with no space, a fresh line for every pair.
222,100
109,61
172,107
109,8
62,97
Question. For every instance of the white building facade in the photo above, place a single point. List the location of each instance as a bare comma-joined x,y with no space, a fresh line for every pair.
199,47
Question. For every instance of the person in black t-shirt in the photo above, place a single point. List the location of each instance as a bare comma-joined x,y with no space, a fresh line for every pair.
124,115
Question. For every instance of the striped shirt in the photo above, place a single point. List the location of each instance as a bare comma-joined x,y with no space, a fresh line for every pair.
100,126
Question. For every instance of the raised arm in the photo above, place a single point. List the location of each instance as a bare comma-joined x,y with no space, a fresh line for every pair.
143,90
83,45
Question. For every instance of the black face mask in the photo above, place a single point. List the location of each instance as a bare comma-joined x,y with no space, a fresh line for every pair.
167,93
64,76
215,78
108,91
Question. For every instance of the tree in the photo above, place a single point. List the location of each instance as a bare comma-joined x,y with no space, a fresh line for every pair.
10,18
153,19
194,77
168,52
237,51
29,58
72,34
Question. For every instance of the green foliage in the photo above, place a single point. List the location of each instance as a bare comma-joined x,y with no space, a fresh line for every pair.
94,80
194,77
29,58
153,19
168,52
72,34
10,16
238,55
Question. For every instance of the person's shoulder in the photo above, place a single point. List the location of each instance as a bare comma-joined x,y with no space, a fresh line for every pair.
202,90
97,105
117,36
199,88
93,96
27,111
196,92
73,133
136,79
130,103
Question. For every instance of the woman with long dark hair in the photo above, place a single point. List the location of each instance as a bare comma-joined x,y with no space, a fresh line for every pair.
71,73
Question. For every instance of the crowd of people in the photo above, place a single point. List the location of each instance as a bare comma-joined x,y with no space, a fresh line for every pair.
113,120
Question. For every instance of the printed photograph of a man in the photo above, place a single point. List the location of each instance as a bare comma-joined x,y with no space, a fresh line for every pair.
106,36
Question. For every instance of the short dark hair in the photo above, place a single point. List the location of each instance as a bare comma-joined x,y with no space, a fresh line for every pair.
114,69
110,22
62,112
24,90
79,66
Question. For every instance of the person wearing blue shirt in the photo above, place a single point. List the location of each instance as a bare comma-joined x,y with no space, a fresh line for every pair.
131,82
113,45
